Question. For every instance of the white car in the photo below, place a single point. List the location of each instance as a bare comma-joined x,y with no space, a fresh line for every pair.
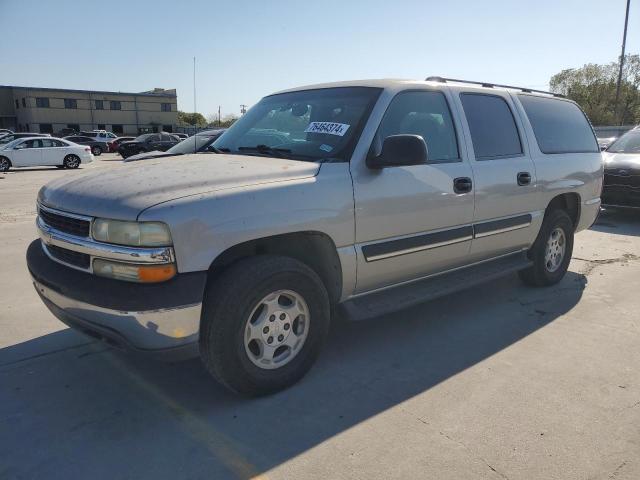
38,151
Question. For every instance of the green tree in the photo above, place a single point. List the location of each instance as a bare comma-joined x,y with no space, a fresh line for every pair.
593,87
226,121
191,119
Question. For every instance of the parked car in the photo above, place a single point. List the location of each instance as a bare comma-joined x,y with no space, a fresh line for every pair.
97,147
148,142
604,142
39,151
115,143
100,135
385,194
10,137
4,131
181,136
200,142
622,171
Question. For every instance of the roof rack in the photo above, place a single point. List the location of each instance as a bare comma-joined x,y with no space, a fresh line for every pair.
491,85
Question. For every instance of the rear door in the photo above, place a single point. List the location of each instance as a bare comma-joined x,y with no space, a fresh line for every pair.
410,220
53,151
507,211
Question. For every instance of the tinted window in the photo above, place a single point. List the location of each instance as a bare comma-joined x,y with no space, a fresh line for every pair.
421,113
99,105
115,105
70,103
42,102
559,125
493,129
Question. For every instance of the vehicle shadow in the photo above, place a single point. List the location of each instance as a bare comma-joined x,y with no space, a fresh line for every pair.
87,411
618,222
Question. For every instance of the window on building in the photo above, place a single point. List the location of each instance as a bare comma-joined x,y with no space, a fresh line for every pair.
46,128
166,107
117,129
70,103
24,102
167,128
73,126
17,104
493,129
101,126
559,125
42,102
99,105
115,105
421,113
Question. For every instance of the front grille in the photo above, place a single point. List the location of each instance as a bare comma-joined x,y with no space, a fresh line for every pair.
81,260
70,225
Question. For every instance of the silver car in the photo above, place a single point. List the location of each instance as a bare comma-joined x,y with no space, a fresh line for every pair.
360,197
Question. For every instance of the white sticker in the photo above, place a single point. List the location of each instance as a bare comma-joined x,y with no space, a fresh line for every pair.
328,128
325,147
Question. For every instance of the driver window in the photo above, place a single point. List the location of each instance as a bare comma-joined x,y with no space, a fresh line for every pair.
421,113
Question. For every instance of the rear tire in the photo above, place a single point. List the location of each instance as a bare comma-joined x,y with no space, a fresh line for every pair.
71,161
97,151
551,252
249,338
5,164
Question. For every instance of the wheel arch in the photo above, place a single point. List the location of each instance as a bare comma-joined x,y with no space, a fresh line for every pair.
313,248
569,202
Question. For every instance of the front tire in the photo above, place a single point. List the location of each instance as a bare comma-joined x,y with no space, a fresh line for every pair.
264,322
71,161
551,252
5,164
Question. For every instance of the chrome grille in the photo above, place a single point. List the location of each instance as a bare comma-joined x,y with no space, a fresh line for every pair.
63,223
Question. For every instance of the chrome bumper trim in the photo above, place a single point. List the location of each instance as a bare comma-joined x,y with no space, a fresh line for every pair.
51,236
148,330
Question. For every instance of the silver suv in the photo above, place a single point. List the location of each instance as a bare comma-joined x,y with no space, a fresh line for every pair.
351,198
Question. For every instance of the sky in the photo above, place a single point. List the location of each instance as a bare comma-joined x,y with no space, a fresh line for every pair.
248,49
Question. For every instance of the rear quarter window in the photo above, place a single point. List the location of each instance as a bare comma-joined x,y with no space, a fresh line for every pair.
559,125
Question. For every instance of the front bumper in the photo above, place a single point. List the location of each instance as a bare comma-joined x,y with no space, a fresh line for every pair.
156,318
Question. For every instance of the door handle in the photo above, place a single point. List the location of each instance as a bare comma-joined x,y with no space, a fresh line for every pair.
524,178
462,185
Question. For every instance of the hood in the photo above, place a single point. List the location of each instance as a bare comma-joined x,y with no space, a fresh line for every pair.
621,160
124,191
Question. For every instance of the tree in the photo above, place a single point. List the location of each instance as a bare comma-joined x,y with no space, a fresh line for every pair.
593,87
192,119
226,121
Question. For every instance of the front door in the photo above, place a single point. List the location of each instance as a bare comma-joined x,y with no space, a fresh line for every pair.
507,213
412,221
27,154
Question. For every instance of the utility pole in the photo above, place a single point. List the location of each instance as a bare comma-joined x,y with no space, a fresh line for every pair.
624,44
219,119
243,109
194,96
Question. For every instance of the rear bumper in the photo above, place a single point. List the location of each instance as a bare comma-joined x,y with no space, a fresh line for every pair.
589,211
161,318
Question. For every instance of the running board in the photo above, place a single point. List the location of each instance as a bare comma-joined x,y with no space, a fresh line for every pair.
407,295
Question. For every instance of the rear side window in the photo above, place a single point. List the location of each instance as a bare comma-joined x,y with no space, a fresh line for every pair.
493,129
559,125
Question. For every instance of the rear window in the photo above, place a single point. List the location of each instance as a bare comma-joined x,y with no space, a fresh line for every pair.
493,129
559,125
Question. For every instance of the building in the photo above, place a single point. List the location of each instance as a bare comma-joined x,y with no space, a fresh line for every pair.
50,110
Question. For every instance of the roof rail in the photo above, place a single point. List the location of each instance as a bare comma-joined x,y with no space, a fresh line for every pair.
491,85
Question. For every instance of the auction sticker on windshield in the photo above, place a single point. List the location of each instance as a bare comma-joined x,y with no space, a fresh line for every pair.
329,128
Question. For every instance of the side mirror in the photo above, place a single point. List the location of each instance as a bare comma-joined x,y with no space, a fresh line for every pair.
400,151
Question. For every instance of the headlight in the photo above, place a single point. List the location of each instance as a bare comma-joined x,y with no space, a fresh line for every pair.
133,272
133,234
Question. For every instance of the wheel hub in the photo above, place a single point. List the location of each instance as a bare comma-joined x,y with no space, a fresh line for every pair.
277,329
555,250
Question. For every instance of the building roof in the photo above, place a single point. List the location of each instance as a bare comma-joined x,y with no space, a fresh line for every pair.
156,92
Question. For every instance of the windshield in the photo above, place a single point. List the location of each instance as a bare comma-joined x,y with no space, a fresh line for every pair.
193,144
313,125
12,143
628,143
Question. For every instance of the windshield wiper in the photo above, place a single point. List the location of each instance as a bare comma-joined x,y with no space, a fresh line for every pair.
266,149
